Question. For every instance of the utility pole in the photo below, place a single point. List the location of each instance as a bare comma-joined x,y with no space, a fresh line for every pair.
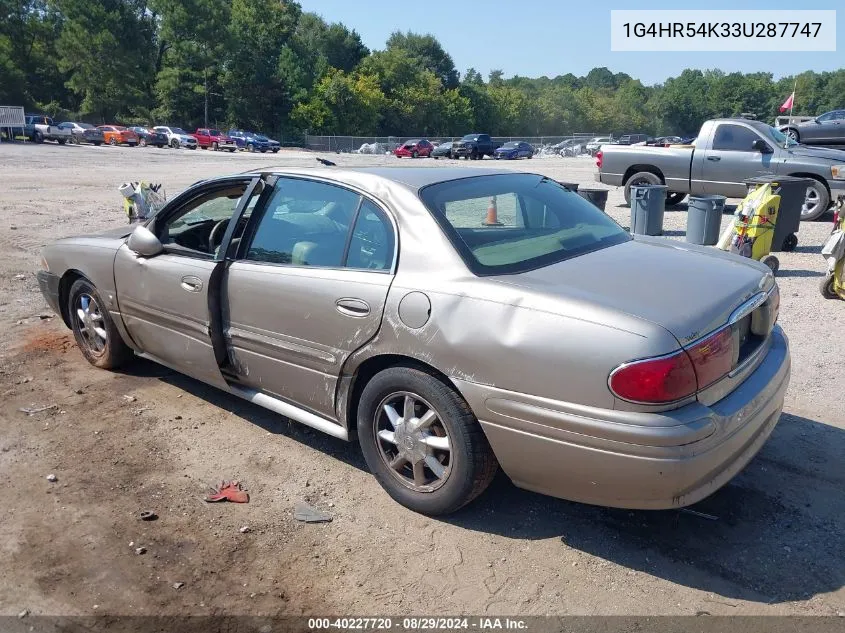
205,80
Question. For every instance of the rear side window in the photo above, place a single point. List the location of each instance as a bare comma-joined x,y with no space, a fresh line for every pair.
734,137
511,223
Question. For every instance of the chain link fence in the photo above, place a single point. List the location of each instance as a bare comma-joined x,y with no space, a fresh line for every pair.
381,144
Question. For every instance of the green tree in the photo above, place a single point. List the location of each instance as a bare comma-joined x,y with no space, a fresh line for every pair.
342,104
429,54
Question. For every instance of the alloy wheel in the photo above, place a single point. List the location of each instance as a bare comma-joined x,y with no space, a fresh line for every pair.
413,441
89,320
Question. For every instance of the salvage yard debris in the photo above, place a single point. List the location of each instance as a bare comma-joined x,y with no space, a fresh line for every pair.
309,514
34,410
228,491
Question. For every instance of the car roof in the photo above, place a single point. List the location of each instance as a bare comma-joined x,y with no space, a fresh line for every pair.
414,178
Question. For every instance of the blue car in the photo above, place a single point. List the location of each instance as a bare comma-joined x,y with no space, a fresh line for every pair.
253,141
514,149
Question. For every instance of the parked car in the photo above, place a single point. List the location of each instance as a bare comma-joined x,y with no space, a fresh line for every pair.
474,146
594,144
590,364
118,135
177,137
569,147
414,148
514,149
253,141
726,153
827,128
442,150
146,136
215,139
633,139
83,133
40,128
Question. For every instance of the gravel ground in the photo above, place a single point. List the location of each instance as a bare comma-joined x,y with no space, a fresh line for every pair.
149,439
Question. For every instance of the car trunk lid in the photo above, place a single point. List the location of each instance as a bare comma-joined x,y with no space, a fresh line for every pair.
690,291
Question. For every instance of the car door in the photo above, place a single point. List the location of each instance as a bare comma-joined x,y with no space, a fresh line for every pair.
306,289
169,303
730,158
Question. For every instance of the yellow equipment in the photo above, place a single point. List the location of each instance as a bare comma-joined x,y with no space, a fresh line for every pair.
833,283
754,227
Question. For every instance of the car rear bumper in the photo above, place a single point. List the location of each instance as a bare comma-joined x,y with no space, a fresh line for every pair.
629,459
49,285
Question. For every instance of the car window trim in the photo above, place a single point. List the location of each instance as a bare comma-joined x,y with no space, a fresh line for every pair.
733,149
240,209
258,215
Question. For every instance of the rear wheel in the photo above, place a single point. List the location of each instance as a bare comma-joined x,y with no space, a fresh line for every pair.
414,154
275,150
790,242
142,142
214,146
112,141
793,134
640,178
174,143
422,442
94,331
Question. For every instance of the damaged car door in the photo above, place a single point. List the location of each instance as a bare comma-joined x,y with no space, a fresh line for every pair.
169,300
307,288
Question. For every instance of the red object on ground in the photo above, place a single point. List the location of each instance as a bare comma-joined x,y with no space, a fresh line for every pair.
228,491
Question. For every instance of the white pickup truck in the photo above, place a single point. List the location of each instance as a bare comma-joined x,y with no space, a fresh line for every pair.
41,128
725,153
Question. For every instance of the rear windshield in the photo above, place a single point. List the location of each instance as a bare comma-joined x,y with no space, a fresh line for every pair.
540,222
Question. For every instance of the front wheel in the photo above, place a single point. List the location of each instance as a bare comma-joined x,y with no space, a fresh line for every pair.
816,201
250,148
793,134
94,331
772,262
214,146
112,141
174,144
422,442
142,142
789,242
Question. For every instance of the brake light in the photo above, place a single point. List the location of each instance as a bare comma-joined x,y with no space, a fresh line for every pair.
599,156
713,357
656,380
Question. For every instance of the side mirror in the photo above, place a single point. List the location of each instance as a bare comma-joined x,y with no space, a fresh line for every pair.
762,146
144,242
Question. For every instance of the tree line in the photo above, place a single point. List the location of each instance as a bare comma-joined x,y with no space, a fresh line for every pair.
268,65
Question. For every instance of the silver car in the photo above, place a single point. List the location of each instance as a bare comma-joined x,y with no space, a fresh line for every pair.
451,321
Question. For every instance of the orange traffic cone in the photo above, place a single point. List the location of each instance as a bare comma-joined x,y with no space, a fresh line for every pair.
492,214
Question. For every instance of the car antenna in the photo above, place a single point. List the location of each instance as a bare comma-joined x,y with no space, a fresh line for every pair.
325,162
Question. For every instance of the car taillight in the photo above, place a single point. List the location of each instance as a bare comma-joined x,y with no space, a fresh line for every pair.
713,357
599,156
676,376
656,380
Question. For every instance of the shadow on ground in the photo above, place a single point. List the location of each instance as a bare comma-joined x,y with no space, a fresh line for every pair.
778,532
765,545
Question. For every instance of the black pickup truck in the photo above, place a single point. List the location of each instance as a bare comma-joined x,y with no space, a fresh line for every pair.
474,146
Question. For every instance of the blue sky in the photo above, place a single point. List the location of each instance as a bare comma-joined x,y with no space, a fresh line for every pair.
554,37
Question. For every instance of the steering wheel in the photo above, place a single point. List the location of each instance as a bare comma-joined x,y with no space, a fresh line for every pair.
216,230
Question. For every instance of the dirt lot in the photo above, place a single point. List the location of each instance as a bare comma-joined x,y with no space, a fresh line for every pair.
777,546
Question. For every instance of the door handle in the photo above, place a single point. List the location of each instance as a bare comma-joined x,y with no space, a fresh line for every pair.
714,158
191,283
352,307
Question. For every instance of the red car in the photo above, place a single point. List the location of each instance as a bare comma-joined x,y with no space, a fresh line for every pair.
118,135
215,139
414,148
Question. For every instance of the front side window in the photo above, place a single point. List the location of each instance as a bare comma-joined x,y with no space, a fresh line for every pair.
511,223
199,225
734,138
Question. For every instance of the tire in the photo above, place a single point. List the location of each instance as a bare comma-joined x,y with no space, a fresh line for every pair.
192,147
816,202
772,262
789,243
793,134
112,142
275,150
414,155
61,141
174,143
98,143
675,197
470,464
826,287
106,353
250,148
215,147
38,137
142,142
233,150
641,177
